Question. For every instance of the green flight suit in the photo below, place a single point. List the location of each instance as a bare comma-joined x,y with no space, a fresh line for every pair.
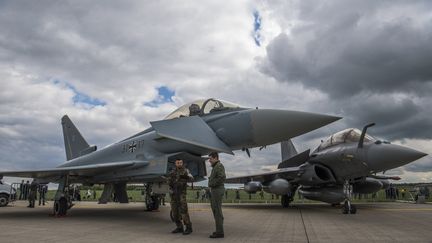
177,181
216,184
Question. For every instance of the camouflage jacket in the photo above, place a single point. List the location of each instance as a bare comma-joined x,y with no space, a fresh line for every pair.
217,176
178,179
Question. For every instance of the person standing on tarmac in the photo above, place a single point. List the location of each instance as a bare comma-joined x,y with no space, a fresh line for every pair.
32,194
21,195
216,183
26,189
177,181
42,194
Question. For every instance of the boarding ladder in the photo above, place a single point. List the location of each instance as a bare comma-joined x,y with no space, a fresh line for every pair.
13,194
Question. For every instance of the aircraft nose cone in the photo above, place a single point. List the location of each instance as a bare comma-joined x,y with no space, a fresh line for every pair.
273,126
388,156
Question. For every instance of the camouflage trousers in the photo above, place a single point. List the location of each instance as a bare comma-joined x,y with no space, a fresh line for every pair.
180,210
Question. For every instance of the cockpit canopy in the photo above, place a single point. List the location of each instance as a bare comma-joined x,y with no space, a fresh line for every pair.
350,135
201,107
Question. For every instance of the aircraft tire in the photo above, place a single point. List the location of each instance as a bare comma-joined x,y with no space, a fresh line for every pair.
60,207
153,203
344,210
353,209
285,201
4,200
348,208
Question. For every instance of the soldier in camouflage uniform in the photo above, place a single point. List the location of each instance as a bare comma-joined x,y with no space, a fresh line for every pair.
177,181
216,183
32,194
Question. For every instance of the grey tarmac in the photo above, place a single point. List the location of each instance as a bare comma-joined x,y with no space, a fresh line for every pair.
89,222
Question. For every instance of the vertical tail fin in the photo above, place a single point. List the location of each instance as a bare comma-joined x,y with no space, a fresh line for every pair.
288,150
75,143
290,156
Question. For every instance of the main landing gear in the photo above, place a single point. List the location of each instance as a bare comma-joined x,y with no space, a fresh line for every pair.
348,207
62,199
288,198
60,207
151,200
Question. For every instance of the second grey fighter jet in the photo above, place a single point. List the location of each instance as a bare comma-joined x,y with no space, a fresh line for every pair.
191,131
345,163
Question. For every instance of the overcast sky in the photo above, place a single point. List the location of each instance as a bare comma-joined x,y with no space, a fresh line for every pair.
115,66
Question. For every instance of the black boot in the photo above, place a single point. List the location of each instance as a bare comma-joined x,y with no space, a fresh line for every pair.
217,235
188,230
177,230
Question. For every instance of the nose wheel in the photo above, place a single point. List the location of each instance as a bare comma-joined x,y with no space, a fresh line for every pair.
348,207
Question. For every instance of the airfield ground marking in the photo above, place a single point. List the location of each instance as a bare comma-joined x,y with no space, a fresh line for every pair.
304,225
400,209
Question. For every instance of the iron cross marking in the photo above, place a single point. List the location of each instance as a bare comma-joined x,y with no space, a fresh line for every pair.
132,147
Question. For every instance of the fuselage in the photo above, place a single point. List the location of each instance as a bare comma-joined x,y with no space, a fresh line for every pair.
348,161
343,158
349,157
237,127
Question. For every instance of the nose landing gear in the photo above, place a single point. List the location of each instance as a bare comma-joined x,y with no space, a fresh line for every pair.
348,207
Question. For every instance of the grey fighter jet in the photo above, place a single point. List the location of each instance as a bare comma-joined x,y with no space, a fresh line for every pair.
191,131
345,163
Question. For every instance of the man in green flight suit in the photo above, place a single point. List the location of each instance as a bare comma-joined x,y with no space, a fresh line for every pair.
177,181
216,184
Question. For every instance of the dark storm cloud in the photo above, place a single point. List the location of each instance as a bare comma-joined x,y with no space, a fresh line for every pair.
376,65
355,50
396,117
373,60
